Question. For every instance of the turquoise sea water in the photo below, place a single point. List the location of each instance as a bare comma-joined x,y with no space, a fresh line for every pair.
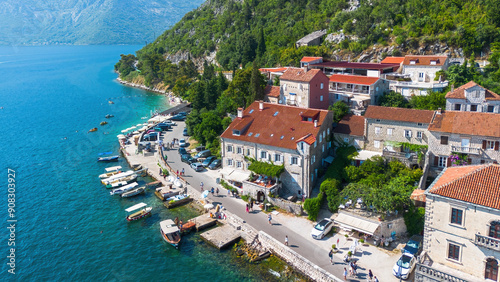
68,226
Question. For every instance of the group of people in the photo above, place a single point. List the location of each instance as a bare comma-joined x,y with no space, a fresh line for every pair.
249,206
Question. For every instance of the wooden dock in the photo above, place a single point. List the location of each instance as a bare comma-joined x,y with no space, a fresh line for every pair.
203,221
153,184
222,236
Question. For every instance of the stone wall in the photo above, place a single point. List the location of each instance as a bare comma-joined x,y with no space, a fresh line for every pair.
398,133
290,207
294,259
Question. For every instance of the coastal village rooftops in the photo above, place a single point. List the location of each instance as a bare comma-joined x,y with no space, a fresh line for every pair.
459,93
393,60
399,114
276,125
273,69
477,184
354,65
470,123
272,91
424,60
354,79
310,59
298,74
351,125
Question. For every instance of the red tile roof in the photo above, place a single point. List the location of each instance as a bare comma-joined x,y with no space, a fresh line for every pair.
273,69
471,123
310,59
399,114
309,139
298,74
272,91
354,65
424,60
459,93
351,125
354,79
477,184
268,128
393,60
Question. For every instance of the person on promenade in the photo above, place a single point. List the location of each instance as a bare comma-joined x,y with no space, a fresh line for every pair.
338,240
217,191
177,172
247,208
269,218
182,171
330,255
201,186
345,273
375,279
251,205
228,192
370,275
286,240
212,191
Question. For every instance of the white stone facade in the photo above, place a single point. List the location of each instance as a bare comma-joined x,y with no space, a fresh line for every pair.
474,101
350,92
382,134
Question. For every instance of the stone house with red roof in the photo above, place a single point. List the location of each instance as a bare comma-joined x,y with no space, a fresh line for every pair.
471,134
462,226
304,88
351,130
294,137
472,97
272,94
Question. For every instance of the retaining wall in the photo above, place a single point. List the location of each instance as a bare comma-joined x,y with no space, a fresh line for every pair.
286,205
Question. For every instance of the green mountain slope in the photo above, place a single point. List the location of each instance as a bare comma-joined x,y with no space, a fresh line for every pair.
242,31
33,22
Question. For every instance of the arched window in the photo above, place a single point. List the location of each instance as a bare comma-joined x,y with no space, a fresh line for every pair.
491,271
495,229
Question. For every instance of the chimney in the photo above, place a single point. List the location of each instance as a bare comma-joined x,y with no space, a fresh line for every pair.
452,87
240,113
304,68
439,111
261,105
315,123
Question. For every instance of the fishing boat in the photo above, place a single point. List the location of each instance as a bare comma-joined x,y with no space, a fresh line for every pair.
122,181
124,189
93,129
117,177
110,171
138,211
111,102
108,159
134,192
109,116
170,232
103,123
177,200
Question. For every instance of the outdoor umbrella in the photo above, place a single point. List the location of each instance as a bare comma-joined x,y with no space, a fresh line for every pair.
205,194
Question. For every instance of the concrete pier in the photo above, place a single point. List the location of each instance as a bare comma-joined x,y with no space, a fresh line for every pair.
203,221
221,237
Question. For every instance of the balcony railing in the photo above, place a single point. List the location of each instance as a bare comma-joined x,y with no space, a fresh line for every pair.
355,91
430,273
487,242
466,150
425,85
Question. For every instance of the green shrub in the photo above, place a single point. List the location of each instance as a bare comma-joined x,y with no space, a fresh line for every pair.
414,220
313,205
245,198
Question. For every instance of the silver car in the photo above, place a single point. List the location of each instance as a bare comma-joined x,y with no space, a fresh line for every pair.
322,228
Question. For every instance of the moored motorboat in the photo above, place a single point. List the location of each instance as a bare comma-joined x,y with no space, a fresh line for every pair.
108,159
117,177
109,116
124,189
134,192
170,232
110,171
111,102
103,123
122,181
138,211
93,129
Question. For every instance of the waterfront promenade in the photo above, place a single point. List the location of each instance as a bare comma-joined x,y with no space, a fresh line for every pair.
296,228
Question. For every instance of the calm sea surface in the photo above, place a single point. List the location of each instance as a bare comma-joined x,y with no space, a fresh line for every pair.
68,226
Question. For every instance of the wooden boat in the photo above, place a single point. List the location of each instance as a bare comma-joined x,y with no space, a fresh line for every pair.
109,116
122,181
134,192
188,226
178,200
138,211
117,177
170,232
110,171
124,189
108,159
103,123
93,129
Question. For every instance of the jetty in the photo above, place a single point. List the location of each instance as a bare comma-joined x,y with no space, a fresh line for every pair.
204,221
222,236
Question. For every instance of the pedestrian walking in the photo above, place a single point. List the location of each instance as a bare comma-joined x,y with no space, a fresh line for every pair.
370,274
355,268
217,191
375,279
345,273
330,255
228,192
182,171
269,218
251,205
212,191
177,172
338,240
247,208
201,186
286,240
160,172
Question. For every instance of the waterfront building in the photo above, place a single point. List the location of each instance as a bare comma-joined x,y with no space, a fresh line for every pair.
472,97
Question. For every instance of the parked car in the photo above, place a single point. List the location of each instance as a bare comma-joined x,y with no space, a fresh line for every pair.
182,143
164,126
404,266
197,166
414,245
208,161
187,158
322,228
203,154
182,151
200,148
169,122
185,132
178,118
215,164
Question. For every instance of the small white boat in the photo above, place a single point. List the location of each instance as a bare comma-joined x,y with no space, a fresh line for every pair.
177,197
117,177
144,211
170,232
110,171
124,189
116,184
134,192
119,182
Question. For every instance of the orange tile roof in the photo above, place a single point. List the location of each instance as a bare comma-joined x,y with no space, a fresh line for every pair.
399,114
298,74
309,59
471,123
309,139
477,184
424,60
354,79
280,130
393,60
418,195
272,91
351,125
459,93
273,69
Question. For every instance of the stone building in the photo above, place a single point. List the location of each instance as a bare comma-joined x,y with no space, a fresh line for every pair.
304,88
462,226
272,94
306,61
312,39
472,97
294,137
474,135
351,130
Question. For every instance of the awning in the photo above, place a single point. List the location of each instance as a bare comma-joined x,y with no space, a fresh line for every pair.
364,155
357,223
235,174
328,159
